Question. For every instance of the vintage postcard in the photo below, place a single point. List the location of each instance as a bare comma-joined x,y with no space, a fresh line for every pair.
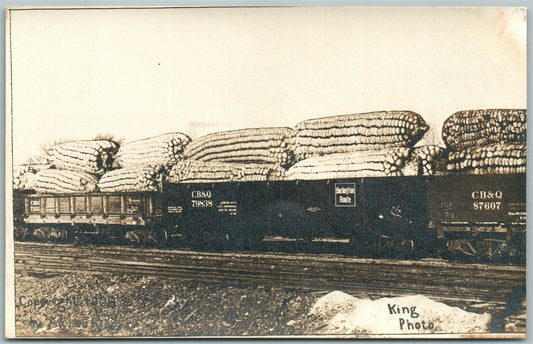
317,172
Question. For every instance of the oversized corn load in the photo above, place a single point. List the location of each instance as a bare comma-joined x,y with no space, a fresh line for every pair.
476,128
258,172
193,171
64,181
91,156
427,158
490,159
258,145
24,177
136,178
357,132
370,163
163,150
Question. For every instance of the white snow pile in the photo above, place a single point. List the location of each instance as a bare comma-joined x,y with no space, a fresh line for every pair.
340,313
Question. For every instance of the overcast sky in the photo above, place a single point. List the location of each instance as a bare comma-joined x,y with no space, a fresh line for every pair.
135,73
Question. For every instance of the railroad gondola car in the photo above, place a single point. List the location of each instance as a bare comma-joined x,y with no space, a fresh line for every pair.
65,216
376,214
479,216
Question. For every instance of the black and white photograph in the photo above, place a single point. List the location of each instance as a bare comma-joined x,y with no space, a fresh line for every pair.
266,172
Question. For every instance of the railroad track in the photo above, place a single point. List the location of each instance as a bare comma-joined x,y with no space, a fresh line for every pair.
474,285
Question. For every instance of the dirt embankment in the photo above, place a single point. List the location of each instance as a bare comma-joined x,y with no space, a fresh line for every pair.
81,305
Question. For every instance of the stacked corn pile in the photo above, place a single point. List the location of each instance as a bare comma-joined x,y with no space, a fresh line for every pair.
135,178
357,132
94,156
24,177
193,171
485,142
496,158
163,150
261,145
368,163
426,158
64,181
476,128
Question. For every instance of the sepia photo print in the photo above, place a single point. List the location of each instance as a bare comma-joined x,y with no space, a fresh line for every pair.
272,172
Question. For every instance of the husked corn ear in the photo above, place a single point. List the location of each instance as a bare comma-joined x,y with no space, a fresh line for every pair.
136,178
426,158
357,132
258,145
64,181
490,159
187,170
382,163
476,128
94,156
24,177
193,171
164,150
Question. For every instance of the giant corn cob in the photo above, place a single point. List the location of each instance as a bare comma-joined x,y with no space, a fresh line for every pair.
64,181
137,178
356,132
382,163
87,156
476,128
24,177
426,159
163,150
193,171
261,145
496,158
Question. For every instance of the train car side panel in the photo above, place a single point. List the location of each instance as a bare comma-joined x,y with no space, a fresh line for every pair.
343,208
478,199
207,213
480,216
65,216
331,208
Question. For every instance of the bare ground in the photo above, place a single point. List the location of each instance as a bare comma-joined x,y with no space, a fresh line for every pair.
72,305
88,305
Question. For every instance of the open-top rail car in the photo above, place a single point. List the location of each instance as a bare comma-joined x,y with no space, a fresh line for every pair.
475,216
